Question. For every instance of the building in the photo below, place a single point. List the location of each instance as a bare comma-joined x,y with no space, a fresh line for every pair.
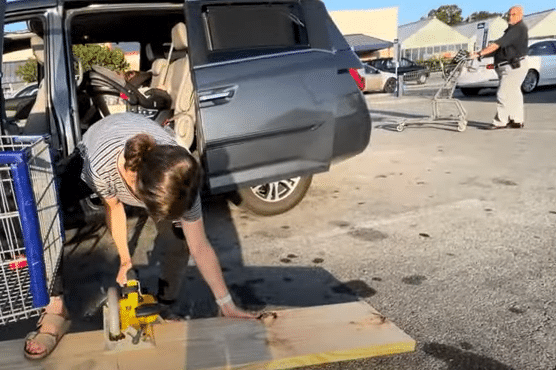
368,47
541,24
371,32
429,38
494,30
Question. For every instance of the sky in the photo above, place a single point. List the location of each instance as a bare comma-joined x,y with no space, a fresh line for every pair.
411,11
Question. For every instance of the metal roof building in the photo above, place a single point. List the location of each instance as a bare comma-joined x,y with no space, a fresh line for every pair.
541,24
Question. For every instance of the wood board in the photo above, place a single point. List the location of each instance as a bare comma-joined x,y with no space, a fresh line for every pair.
297,337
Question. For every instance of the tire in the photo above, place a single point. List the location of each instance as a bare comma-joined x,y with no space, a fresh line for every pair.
422,79
530,82
276,197
470,91
390,85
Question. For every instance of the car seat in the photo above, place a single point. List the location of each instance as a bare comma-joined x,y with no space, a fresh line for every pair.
102,81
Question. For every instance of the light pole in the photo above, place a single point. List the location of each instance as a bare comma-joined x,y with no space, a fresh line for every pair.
396,58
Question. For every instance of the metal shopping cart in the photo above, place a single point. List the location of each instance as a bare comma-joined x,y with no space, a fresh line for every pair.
444,96
31,231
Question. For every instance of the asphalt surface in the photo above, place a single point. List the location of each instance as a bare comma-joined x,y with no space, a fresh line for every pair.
448,234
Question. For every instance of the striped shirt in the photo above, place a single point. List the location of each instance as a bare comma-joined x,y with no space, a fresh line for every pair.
100,147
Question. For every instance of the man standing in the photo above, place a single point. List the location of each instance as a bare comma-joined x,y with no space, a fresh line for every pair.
511,66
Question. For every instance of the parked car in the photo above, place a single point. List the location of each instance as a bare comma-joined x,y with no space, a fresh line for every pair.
27,90
271,103
541,61
377,80
410,70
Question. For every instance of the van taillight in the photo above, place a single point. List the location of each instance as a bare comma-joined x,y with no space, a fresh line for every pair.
360,81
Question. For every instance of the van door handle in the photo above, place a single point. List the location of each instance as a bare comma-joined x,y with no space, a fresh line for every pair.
219,94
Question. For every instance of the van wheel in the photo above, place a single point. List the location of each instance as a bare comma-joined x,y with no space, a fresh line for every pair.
274,198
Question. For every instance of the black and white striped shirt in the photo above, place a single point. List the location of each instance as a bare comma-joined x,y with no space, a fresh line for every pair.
100,147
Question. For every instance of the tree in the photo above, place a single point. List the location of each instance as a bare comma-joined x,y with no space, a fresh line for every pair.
479,16
29,71
449,14
90,54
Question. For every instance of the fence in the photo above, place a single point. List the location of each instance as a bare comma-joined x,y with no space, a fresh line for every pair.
31,230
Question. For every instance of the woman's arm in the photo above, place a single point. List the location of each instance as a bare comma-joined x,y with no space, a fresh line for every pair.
117,224
207,262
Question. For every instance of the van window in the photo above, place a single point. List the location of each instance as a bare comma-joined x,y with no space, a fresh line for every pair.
254,29
19,65
24,72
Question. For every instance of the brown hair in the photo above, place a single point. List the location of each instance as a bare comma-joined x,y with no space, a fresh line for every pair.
168,176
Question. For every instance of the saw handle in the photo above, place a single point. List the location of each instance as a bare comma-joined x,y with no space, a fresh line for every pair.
147,309
131,274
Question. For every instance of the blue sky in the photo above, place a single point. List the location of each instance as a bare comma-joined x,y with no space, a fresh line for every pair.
411,11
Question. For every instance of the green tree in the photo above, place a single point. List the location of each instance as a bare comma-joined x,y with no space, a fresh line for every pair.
28,71
449,14
90,54
482,15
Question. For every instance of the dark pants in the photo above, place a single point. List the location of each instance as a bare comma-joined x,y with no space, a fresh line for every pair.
170,249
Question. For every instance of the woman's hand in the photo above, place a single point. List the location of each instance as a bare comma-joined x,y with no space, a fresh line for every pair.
232,311
121,278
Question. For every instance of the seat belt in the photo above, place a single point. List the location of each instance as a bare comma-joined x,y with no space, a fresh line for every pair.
168,63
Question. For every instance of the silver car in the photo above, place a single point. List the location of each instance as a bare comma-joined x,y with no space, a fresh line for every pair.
377,80
541,60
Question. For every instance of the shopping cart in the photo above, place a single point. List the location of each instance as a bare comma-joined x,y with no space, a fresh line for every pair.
443,97
31,231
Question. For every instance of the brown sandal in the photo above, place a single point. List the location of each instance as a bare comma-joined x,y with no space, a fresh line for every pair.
47,340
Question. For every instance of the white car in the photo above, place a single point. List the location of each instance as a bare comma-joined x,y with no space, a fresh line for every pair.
541,60
378,81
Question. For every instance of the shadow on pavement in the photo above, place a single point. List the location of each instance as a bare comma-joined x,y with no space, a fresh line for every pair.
457,359
541,95
389,121
90,267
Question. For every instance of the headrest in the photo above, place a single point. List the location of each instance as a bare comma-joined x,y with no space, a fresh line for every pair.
158,66
37,45
179,36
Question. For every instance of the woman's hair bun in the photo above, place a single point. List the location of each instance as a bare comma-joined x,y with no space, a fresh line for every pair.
136,149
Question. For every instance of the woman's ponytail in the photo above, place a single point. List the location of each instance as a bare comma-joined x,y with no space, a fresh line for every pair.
136,149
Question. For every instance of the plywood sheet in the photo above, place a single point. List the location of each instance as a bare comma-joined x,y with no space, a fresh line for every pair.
296,337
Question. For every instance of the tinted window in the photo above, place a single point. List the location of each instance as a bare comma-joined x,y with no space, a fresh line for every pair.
542,48
19,64
255,29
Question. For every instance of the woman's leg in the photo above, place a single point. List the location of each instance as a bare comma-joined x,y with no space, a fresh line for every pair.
170,249
52,324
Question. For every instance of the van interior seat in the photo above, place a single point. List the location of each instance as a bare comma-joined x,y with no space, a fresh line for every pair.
179,85
159,71
37,122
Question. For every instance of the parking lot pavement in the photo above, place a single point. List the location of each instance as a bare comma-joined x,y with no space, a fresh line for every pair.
448,234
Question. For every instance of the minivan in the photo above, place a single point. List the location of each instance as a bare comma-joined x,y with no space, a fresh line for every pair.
259,90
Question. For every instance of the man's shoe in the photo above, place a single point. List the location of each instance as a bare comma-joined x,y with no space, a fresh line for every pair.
513,124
